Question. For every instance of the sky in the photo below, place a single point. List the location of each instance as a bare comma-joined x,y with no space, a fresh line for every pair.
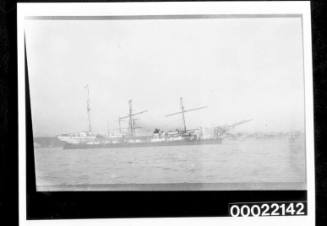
241,68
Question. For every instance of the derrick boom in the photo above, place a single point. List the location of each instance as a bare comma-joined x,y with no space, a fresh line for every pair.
183,111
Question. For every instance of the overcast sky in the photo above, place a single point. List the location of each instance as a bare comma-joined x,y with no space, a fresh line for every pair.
246,68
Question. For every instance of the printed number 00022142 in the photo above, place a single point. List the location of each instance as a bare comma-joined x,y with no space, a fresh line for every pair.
268,209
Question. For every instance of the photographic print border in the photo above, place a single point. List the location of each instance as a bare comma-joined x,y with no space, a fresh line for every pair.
162,198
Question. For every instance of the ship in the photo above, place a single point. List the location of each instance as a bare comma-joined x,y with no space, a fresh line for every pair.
127,137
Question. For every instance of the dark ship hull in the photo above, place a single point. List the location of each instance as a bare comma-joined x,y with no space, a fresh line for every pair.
142,144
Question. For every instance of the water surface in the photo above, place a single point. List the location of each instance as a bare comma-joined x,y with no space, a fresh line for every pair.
267,164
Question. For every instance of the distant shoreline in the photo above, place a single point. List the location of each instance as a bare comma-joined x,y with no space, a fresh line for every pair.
52,141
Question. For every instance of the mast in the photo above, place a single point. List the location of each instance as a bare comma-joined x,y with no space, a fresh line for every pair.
88,108
131,119
183,111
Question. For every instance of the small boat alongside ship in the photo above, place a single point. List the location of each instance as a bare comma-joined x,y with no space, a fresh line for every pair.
184,136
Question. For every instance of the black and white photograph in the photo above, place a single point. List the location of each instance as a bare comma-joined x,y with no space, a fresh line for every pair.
168,101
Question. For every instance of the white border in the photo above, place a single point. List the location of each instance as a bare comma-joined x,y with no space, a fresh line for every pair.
170,8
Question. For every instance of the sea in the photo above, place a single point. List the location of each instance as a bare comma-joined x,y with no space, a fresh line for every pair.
243,164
